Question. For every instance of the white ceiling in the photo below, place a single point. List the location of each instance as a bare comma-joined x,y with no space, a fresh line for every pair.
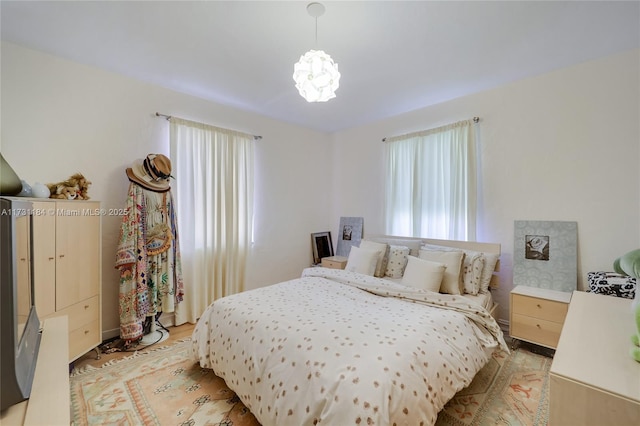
393,56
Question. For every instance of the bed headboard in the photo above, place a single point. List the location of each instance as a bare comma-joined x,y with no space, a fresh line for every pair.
414,244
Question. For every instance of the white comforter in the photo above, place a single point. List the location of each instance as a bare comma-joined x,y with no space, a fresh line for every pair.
339,348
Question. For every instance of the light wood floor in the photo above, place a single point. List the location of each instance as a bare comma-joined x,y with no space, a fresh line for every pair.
175,334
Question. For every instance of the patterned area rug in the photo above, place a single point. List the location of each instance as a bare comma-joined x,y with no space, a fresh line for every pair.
164,386
510,390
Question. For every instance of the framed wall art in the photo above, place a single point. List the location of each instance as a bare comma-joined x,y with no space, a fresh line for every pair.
349,234
546,254
321,246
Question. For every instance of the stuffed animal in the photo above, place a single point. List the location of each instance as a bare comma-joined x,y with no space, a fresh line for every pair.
83,185
74,188
62,192
629,264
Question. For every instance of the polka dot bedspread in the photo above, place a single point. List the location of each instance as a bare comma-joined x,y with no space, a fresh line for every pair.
340,348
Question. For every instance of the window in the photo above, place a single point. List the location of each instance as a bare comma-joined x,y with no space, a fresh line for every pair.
431,183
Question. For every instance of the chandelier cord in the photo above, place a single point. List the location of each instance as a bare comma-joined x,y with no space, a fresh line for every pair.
316,43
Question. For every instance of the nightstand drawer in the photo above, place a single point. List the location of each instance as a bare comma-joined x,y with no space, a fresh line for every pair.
536,330
335,262
548,310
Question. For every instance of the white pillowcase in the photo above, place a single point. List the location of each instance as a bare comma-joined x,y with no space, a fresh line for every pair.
381,248
452,281
490,262
477,267
423,274
362,261
397,261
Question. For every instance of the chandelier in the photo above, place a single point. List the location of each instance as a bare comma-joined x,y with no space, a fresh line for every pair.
315,74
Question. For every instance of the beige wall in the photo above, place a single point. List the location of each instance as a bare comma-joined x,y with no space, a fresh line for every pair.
562,146
59,118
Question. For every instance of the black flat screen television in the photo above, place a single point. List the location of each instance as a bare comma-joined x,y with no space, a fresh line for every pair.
20,330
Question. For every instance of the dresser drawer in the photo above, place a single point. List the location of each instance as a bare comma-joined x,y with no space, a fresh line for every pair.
82,313
83,339
548,310
536,330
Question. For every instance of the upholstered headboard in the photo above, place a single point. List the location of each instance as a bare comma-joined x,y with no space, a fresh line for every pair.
414,244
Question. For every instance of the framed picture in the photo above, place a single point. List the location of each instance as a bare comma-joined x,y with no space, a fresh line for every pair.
349,234
545,254
321,245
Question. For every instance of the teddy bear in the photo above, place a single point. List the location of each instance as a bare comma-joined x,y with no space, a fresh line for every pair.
74,188
629,264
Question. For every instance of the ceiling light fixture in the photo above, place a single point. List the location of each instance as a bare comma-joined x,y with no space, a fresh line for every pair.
315,74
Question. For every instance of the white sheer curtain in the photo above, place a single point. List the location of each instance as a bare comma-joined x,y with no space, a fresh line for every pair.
431,183
213,189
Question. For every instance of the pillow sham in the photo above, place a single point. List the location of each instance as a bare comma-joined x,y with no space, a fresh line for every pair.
452,280
381,248
398,257
423,274
489,264
362,261
472,267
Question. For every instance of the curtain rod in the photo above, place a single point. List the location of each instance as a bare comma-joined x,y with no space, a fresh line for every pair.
475,120
169,117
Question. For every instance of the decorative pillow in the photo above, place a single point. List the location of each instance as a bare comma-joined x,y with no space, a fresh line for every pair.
490,261
413,244
397,261
472,267
423,274
452,280
612,284
362,261
381,248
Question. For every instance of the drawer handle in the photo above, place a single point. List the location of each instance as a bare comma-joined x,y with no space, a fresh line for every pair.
538,325
86,306
61,256
86,332
538,305
51,258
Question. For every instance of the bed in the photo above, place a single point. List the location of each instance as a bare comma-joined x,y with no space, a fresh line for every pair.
338,347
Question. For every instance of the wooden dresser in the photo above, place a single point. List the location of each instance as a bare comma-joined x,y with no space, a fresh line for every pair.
537,315
67,268
593,379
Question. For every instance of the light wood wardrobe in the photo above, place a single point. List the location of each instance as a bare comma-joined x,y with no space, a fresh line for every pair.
67,268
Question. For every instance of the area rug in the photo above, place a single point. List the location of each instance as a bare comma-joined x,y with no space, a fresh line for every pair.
510,390
164,386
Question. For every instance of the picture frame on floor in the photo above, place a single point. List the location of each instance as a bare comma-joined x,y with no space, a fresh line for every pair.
321,246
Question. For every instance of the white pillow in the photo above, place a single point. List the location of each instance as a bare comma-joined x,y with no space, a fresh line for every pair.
397,261
490,261
381,248
452,281
473,266
423,274
362,261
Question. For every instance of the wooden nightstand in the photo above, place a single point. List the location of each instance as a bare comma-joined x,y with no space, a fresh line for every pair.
334,262
537,315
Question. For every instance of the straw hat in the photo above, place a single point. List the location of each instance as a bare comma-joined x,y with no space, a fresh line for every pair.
152,173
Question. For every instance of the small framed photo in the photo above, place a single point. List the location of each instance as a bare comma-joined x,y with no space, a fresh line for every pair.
321,245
